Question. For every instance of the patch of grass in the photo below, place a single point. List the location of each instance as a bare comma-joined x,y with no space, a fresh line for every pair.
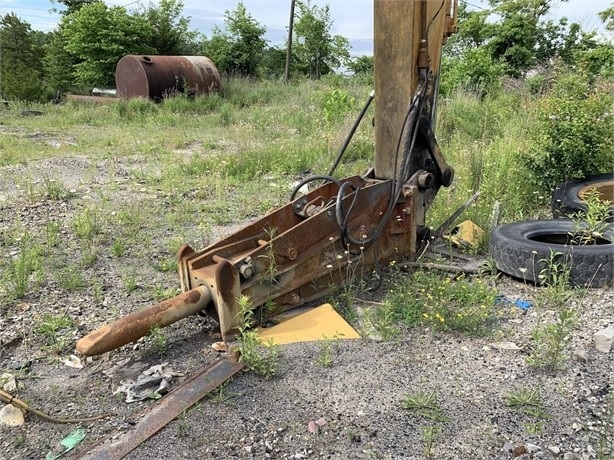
382,318
526,401
423,404
55,329
52,237
461,305
554,278
430,435
130,283
161,293
157,339
55,190
16,279
71,279
221,395
89,256
118,247
325,355
87,224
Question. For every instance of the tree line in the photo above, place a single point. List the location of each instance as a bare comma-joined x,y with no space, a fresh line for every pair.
91,37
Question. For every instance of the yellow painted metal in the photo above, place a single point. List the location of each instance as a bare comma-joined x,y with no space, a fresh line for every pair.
400,26
318,323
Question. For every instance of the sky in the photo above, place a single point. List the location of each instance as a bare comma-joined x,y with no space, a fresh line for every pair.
352,19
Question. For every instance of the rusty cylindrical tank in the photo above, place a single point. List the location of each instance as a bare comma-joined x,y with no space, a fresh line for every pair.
158,76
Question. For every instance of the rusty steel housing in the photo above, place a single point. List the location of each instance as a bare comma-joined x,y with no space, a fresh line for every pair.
156,77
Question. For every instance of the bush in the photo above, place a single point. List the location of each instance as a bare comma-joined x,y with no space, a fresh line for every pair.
474,70
572,134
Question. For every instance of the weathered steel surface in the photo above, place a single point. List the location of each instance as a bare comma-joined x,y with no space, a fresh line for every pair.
156,77
166,410
307,256
399,30
134,326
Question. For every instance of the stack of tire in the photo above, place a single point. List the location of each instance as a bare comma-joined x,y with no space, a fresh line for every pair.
529,248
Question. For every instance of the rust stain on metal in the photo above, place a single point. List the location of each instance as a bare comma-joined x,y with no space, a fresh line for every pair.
134,326
156,77
166,410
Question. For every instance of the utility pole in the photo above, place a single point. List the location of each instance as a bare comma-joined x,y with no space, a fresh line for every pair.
289,50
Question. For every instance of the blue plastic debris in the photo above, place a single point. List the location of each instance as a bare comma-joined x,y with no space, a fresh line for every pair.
522,304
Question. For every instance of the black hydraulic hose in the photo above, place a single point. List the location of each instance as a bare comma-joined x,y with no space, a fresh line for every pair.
298,186
410,121
341,218
351,133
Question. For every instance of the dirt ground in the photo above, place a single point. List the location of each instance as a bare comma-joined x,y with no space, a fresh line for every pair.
357,400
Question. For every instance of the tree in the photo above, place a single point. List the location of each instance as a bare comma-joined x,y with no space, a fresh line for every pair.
273,62
97,36
72,6
361,65
239,49
58,62
170,30
520,38
607,16
21,67
315,51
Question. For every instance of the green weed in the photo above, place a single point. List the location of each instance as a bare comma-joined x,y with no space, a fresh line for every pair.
430,435
382,318
161,293
157,339
71,279
118,247
325,355
590,225
263,360
550,341
55,330
554,278
17,277
460,305
87,224
55,190
337,104
423,404
130,283
527,401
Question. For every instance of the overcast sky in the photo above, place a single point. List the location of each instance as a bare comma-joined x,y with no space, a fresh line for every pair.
352,18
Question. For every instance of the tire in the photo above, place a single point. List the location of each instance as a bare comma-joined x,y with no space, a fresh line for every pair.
521,249
567,197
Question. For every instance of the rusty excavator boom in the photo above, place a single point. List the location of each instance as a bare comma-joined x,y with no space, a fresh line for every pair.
310,247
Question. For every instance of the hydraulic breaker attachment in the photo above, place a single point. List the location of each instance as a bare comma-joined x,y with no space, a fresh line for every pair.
343,229
294,255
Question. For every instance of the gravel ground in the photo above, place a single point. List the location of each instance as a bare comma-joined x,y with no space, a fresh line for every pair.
357,400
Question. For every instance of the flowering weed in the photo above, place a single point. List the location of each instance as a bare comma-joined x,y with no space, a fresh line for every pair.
463,304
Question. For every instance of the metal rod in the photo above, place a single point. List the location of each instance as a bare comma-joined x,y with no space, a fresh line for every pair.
138,324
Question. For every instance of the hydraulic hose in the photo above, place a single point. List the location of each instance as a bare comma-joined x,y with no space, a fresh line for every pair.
351,133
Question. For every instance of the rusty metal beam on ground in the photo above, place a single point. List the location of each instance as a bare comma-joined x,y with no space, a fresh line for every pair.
166,410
